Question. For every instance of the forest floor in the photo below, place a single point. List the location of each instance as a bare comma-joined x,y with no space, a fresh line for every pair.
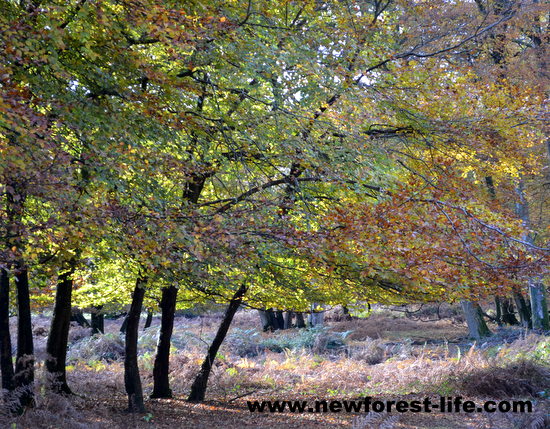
387,356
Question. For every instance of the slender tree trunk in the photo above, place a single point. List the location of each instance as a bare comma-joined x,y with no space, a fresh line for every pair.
198,389
523,310
132,381
58,337
288,320
539,306
300,322
98,320
148,319
24,364
6,364
498,311
161,383
474,318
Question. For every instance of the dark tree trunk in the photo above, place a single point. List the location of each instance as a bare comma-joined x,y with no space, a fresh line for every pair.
132,381
98,320
78,317
124,325
161,386
273,324
6,364
148,319
508,315
523,310
24,364
198,389
264,320
277,320
288,320
58,338
280,319
268,320
300,321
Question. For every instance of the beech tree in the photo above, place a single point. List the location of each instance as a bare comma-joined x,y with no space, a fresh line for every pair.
272,154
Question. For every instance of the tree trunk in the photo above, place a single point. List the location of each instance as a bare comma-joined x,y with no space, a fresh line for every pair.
280,319
132,381
474,318
6,364
539,306
269,320
24,364
78,317
148,319
58,337
264,320
537,292
161,383
498,311
124,325
288,320
273,323
98,320
300,322
523,310
198,389
508,315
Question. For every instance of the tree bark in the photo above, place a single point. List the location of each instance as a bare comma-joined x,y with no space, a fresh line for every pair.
300,321
273,323
6,364
268,320
124,325
264,320
280,320
474,318
539,306
498,311
161,383
98,320
288,320
24,364
132,381
198,389
508,315
537,291
523,310
78,317
148,319
58,337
